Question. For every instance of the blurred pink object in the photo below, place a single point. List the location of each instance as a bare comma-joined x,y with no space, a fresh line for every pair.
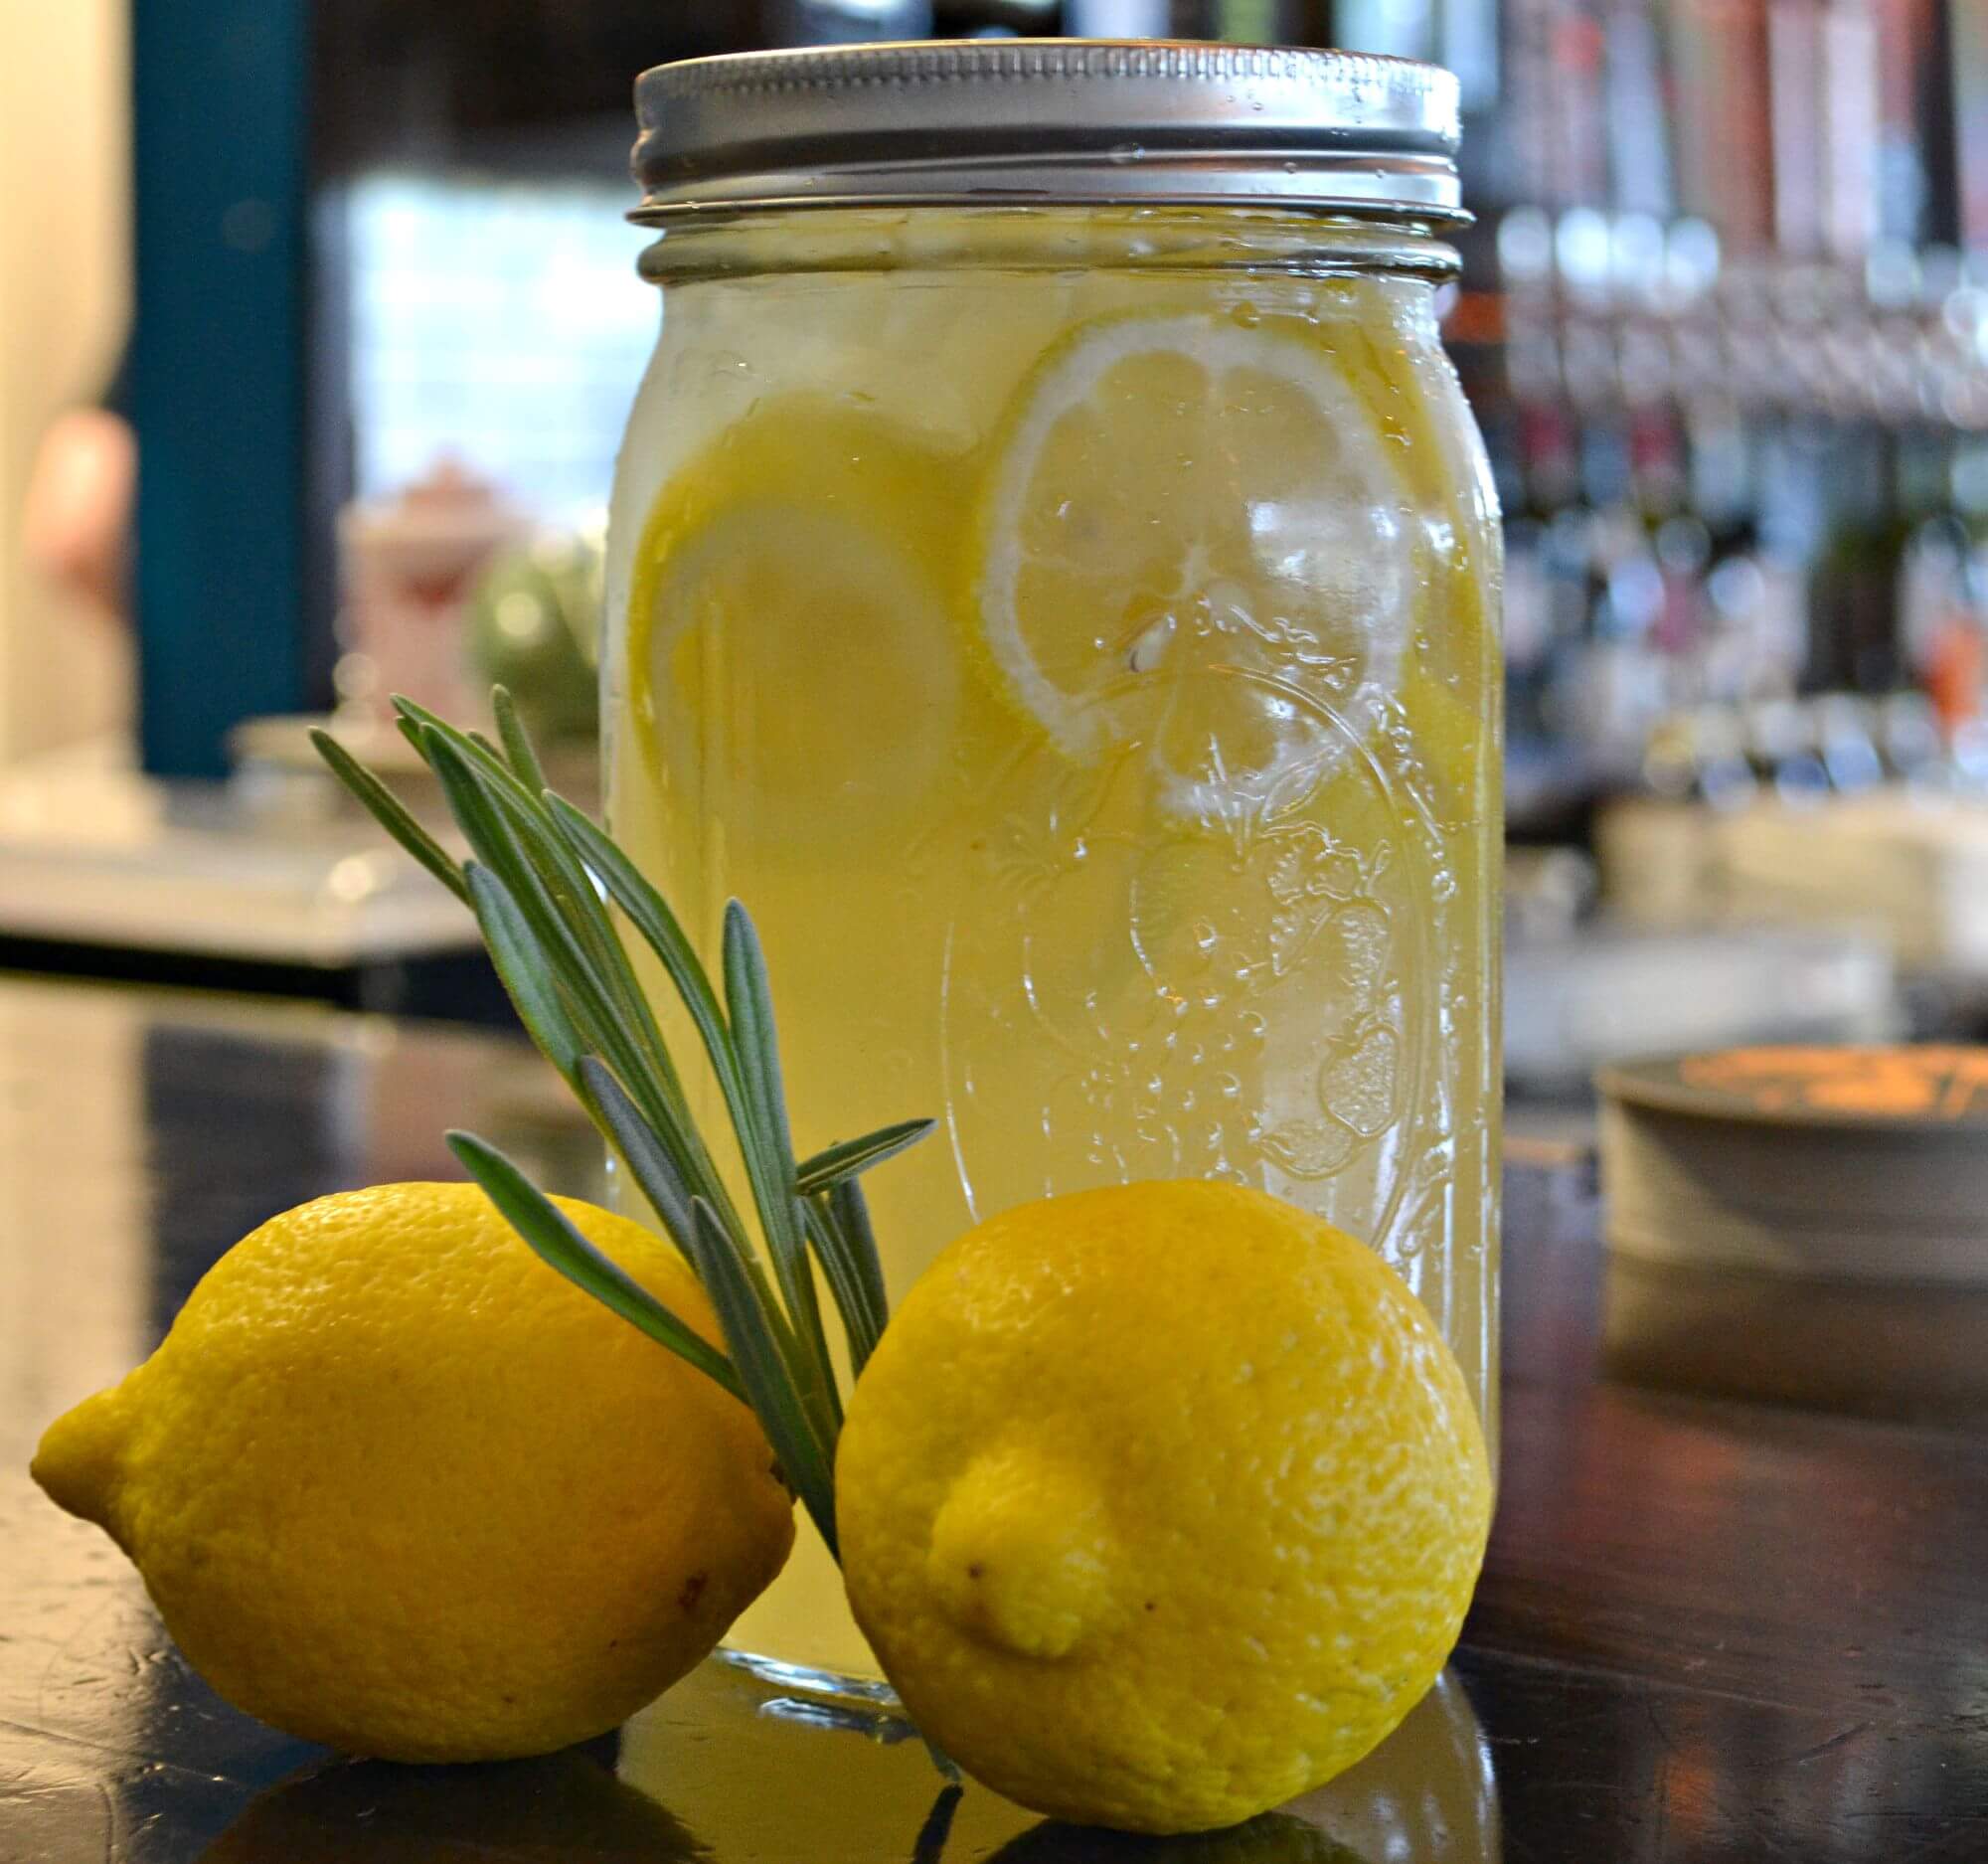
408,566
75,519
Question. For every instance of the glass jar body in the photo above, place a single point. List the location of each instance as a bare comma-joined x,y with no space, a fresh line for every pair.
1074,633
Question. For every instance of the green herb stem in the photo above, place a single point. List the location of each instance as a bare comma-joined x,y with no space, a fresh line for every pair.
539,881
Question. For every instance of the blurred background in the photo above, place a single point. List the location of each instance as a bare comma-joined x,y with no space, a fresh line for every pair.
353,282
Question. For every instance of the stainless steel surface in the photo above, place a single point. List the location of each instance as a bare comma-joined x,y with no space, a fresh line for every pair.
993,121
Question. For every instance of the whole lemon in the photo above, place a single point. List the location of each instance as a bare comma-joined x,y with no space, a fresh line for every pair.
397,1486
1161,1504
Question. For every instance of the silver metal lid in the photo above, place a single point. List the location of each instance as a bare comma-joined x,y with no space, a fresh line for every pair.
1043,121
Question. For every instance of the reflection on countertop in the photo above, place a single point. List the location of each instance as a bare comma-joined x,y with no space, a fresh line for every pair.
1706,1632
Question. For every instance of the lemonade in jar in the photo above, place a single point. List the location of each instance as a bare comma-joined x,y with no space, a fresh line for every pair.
1053,581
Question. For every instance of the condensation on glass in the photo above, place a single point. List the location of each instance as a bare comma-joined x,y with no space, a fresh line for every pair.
1054,581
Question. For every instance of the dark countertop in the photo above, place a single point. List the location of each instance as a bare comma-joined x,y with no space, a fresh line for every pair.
1707,1631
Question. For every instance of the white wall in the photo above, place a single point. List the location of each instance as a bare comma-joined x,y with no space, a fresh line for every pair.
65,275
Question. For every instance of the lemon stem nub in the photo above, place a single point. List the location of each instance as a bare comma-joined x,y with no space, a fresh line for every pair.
77,1462
1020,1557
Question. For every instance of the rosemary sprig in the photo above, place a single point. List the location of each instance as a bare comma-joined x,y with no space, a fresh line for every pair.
540,881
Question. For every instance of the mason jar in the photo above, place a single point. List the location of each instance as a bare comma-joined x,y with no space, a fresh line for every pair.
1054,581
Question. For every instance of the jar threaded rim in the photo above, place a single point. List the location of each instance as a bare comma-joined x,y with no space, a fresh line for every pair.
1014,121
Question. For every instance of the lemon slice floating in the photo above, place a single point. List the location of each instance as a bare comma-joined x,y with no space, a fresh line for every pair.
786,599
1194,541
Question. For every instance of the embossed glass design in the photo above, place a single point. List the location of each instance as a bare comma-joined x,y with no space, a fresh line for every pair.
1073,632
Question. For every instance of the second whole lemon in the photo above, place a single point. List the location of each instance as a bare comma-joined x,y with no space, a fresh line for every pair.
1161,1504
397,1486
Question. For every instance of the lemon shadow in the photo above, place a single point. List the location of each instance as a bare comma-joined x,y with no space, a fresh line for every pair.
1270,1838
549,1810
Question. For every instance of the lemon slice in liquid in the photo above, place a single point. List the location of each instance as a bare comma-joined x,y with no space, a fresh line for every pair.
791,661
1193,542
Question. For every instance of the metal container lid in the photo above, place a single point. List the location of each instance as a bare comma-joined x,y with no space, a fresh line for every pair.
987,122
